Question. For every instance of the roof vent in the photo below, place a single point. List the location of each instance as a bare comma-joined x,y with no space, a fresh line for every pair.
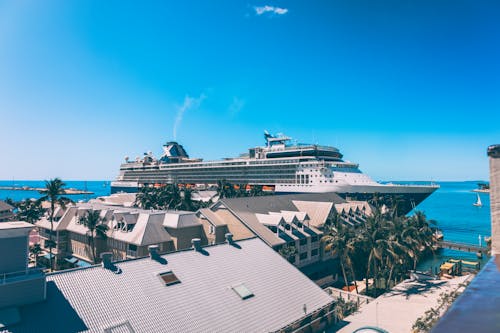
196,244
153,251
168,278
106,259
242,291
229,238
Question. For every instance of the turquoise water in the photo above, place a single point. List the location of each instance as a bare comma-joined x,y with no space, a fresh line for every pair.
99,188
451,206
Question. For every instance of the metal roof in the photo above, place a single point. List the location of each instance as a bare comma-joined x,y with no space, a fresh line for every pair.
5,206
316,205
97,299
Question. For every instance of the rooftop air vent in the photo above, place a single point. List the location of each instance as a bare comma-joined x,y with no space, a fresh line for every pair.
196,244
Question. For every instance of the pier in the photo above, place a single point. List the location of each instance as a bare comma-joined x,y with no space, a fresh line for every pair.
462,247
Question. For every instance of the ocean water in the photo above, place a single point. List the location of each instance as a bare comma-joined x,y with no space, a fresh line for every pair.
451,206
100,188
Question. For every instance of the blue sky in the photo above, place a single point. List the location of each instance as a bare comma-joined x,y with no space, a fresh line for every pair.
408,89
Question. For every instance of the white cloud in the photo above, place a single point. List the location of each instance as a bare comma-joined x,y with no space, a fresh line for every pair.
236,106
190,103
270,9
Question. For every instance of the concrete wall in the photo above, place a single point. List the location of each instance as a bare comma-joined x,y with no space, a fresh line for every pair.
13,254
182,237
25,290
494,154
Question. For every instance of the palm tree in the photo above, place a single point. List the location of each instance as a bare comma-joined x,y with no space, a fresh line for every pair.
54,189
187,201
225,189
288,252
96,229
29,210
341,240
35,250
145,198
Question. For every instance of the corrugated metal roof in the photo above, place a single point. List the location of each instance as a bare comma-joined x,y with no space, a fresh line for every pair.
96,299
5,206
316,205
317,211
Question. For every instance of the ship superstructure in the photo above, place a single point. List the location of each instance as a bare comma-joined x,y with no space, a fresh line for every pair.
279,165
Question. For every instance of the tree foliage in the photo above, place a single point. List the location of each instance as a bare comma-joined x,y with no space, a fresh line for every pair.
53,192
29,210
96,228
384,248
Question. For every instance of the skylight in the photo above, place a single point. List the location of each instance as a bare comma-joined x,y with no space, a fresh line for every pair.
242,291
168,278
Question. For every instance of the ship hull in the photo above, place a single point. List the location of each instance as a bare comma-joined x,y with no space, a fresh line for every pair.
404,197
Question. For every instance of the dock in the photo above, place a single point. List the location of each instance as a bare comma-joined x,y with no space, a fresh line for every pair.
67,191
463,247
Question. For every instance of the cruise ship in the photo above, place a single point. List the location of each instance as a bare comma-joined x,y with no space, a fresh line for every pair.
279,166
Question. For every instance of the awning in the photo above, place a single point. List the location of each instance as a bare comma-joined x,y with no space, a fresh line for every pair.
47,256
447,266
71,260
82,263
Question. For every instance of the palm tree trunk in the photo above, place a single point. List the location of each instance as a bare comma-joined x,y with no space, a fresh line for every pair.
354,278
343,273
91,246
50,235
368,271
389,279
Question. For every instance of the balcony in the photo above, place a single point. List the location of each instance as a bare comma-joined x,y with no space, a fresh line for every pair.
24,287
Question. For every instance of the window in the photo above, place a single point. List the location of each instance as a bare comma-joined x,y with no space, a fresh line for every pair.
314,252
168,278
132,247
242,291
303,241
314,239
303,256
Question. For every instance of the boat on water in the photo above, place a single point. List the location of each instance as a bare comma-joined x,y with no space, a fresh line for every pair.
279,166
478,202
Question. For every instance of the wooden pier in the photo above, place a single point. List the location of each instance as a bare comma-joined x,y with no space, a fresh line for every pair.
463,247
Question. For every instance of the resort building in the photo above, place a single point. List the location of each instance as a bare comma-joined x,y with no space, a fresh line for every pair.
130,232
237,286
6,212
292,220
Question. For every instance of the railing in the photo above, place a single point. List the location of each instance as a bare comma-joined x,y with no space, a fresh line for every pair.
462,247
347,295
7,277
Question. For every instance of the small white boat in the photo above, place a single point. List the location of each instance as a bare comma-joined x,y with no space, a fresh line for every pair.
478,202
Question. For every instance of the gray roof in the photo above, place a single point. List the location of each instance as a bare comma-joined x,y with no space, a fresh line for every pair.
97,299
247,208
148,226
5,206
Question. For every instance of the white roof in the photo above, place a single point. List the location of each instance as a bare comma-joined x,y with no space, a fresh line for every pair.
180,220
270,219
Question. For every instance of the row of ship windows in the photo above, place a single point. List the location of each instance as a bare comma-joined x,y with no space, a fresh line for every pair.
239,170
